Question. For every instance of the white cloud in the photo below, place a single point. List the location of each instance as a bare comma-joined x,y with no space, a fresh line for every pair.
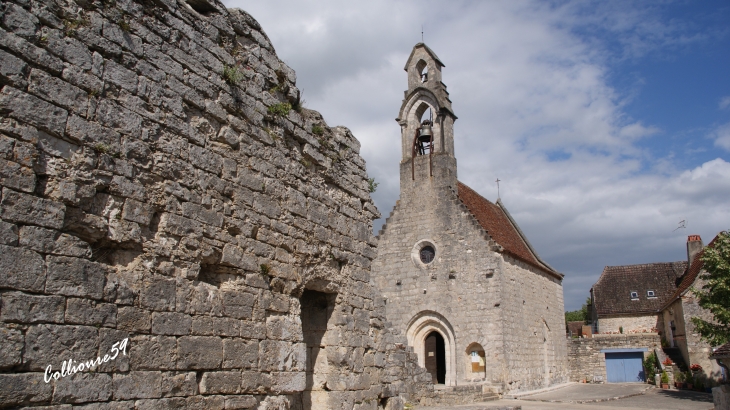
529,83
721,136
725,102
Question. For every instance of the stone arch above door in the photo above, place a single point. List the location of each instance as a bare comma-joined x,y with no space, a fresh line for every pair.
420,326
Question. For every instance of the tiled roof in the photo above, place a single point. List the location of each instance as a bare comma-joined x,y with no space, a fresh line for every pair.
721,352
500,226
612,292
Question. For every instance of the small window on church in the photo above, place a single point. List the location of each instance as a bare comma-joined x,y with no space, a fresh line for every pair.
634,295
427,254
650,294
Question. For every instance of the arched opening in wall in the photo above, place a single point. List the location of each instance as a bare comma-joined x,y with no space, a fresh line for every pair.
476,361
422,69
316,311
424,139
435,354
422,325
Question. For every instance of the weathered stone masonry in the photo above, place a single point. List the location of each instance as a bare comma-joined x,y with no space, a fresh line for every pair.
160,183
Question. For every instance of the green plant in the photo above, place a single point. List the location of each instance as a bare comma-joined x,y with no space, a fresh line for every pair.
265,269
305,162
715,292
317,130
679,377
372,185
651,364
665,377
280,109
71,25
102,148
621,329
232,75
124,25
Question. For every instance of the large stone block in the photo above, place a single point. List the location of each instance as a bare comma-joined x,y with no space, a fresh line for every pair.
133,319
24,308
240,353
90,312
171,323
32,110
58,91
22,269
8,233
199,352
15,176
53,344
31,210
277,355
83,387
222,382
176,384
153,353
137,385
158,293
24,388
75,277
11,346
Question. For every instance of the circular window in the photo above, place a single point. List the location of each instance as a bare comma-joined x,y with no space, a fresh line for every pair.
423,253
427,253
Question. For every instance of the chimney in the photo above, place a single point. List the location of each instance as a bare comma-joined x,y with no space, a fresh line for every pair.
694,245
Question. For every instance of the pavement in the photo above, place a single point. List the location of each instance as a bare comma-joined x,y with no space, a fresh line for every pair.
609,396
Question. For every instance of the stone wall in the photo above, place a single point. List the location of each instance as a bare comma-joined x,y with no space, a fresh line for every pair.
161,184
586,362
630,324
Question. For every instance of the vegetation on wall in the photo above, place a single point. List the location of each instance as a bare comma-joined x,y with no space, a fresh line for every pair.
715,293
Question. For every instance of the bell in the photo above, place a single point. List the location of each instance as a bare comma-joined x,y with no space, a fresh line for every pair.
426,132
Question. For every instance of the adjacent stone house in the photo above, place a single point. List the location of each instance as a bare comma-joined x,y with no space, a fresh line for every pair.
681,306
627,299
461,281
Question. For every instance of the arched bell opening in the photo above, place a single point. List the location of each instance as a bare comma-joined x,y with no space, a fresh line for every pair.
423,139
422,69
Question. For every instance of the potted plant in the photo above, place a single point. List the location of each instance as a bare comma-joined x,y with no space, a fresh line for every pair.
689,379
667,362
665,380
679,380
696,368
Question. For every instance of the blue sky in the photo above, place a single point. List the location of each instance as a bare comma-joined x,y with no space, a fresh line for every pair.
607,122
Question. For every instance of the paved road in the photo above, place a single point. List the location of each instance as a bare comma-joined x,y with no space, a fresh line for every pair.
568,398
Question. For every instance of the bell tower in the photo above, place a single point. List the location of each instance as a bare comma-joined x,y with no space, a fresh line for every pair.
427,125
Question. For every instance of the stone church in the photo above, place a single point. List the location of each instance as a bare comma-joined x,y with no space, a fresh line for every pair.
460,279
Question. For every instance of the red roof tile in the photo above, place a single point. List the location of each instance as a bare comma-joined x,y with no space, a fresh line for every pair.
500,226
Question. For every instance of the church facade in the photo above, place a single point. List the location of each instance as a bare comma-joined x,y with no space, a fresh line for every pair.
460,279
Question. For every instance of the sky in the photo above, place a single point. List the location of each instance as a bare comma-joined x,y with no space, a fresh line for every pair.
607,123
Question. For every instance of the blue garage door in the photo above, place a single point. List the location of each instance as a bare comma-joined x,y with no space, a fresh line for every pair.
624,367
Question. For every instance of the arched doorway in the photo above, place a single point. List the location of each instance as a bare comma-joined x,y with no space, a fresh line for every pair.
435,357
427,324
